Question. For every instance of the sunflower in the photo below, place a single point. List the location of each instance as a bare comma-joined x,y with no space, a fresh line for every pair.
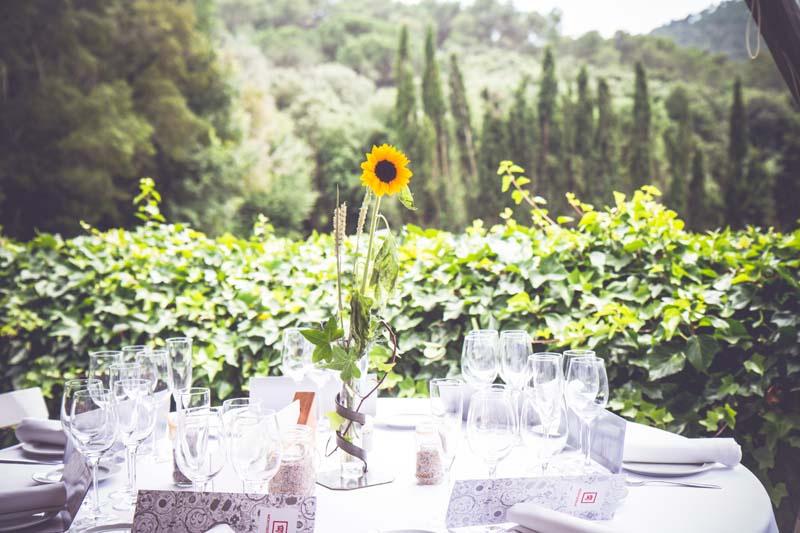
385,170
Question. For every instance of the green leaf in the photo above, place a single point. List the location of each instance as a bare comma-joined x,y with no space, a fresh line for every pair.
517,196
407,199
755,364
701,350
506,182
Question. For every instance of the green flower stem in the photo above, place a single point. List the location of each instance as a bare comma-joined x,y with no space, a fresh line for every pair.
372,224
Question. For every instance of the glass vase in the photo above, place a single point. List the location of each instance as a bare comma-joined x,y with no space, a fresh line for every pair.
352,396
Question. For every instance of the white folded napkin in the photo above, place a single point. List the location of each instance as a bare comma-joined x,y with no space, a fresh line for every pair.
42,431
645,444
288,415
543,520
36,498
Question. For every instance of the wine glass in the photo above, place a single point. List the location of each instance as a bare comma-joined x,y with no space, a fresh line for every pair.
92,424
515,347
447,408
233,406
255,448
180,363
586,392
567,358
295,354
200,451
155,367
130,352
479,356
72,386
491,431
135,409
100,363
193,397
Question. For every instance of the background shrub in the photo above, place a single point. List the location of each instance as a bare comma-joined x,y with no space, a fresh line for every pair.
700,330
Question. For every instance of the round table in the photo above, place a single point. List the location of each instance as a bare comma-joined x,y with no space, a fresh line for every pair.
742,505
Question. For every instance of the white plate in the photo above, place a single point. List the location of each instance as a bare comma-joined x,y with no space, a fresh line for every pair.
667,469
46,477
108,528
50,450
401,421
21,522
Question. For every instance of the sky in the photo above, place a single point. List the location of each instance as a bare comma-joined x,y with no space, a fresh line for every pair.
608,16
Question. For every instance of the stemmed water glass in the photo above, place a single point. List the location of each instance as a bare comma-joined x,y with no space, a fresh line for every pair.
92,424
586,392
72,386
130,352
193,397
544,420
180,363
491,430
200,451
255,448
155,367
100,363
135,409
295,354
479,356
447,408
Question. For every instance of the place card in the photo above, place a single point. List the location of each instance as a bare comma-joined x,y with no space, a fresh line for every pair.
485,501
608,439
198,512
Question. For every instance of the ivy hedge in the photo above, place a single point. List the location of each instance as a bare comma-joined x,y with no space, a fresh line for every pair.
700,330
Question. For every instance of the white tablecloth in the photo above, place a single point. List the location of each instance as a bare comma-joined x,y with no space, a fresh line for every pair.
741,506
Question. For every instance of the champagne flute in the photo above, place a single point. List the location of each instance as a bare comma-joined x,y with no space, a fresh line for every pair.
155,367
587,394
569,355
447,408
180,363
136,417
255,448
515,348
491,430
92,424
479,356
295,354
200,451
546,394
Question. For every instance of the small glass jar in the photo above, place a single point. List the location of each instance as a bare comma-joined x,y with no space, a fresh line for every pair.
430,469
296,475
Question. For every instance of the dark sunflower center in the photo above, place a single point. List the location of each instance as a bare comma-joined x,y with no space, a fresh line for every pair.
385,171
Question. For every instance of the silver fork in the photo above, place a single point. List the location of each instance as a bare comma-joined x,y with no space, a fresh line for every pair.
643,482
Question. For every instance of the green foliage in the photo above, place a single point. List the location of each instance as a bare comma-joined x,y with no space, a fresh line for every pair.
700,330
697,191
464,132
606,155
640,167
678,141
547,159
99,94
737,194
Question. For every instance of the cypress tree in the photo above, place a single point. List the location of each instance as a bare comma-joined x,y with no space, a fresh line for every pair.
406,100
758,206
736,193
568,179
521,126
696,203
493,149
433,103
583,129
639,146
606,172
547,108
787,183
465,136
678,142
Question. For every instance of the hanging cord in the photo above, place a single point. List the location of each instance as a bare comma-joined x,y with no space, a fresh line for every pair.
756,14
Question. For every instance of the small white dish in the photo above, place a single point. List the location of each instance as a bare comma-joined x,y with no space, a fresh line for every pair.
401,421
667,469
45,477
49,450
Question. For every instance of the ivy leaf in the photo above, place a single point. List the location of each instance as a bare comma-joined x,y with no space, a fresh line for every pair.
407,199
506,182
386,269
701,350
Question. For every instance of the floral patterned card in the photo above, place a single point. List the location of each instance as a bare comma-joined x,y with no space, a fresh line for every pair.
198,512
592,496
